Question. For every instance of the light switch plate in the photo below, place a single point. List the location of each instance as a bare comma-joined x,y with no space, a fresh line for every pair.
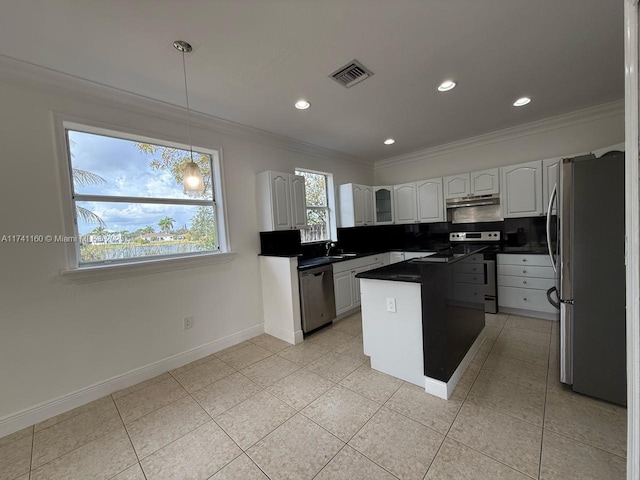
391,305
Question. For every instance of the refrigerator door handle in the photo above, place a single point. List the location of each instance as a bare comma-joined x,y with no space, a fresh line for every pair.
551,199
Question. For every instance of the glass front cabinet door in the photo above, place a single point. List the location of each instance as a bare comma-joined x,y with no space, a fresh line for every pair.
383,201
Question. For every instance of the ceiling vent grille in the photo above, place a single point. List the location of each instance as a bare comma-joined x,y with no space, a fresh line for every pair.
350,74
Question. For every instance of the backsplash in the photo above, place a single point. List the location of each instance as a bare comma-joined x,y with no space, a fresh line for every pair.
521,232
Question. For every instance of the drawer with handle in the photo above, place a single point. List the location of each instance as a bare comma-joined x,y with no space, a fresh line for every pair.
523,259
475,278
525,299
526,282
526,271
473,268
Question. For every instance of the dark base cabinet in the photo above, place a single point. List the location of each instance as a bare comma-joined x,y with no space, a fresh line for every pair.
451,318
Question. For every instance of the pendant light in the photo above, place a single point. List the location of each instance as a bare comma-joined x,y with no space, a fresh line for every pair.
193,182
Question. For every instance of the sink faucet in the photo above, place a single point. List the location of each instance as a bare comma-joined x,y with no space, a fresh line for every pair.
329,245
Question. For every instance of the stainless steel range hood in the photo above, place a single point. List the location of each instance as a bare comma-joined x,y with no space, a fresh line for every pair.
473,209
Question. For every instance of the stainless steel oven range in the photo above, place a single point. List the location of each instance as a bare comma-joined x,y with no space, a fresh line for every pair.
464,240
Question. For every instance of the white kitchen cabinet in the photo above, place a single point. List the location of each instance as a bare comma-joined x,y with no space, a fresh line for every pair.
550,176
521,190
430,201
343,287
383,205
345,283
523,281
485,182
282,201
482,182
298,201
356,205
457,186
405,204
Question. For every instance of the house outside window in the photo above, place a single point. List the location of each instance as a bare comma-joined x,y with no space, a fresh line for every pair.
318,207
128,201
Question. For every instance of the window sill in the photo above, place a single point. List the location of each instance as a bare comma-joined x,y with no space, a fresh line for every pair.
124,270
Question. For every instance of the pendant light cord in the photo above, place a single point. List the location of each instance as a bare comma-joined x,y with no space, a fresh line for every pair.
186,93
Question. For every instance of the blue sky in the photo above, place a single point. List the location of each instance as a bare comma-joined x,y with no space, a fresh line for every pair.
127,172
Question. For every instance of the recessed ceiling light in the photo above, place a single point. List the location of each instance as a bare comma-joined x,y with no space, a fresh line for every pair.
389,141
521,102
447,85
302,104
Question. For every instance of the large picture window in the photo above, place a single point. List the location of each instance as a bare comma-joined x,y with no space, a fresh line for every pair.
128,198
318,211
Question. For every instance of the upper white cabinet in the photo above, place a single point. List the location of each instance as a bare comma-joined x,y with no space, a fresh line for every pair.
485,182
550,176
430,202
282,204
298,201
521,192
356,205
405,204
383,205
457,186
419,202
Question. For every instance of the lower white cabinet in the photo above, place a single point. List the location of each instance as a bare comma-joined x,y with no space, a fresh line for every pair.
345,283
343,287
523,281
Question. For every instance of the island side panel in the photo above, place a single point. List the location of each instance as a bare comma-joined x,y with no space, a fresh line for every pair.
453,318
393,340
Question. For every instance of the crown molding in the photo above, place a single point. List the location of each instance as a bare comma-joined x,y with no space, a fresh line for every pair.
540,126
17,71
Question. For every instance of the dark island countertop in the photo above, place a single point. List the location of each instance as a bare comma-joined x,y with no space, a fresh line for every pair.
411,271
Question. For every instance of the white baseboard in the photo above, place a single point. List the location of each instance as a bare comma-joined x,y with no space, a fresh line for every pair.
292,337
50,408
445,389
530,313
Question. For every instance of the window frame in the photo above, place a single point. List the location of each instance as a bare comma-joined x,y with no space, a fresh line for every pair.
82,272
330,208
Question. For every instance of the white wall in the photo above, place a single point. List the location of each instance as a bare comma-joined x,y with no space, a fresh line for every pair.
569,134
57,337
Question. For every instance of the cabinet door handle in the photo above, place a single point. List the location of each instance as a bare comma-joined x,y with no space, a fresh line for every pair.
524,281
524,271
524,259
525,299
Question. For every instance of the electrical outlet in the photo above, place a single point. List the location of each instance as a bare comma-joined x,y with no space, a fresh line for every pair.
188,322
391,305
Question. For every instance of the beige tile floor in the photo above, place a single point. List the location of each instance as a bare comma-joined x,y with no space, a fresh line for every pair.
265,409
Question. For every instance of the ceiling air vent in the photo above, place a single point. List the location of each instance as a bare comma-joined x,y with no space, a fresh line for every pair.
350,74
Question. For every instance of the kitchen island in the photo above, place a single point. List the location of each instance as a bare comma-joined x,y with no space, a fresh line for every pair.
418,325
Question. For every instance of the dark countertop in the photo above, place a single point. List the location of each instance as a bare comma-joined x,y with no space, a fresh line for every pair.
411,271
306,263
406,271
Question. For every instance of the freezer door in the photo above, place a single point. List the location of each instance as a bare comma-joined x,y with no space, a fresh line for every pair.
598,281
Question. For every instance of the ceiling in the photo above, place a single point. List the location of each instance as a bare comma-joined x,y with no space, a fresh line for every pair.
253,59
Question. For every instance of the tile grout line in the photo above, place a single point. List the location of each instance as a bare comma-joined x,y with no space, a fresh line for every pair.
135,452
446,435
544,408
466,399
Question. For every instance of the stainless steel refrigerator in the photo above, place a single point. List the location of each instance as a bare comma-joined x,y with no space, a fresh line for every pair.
590,273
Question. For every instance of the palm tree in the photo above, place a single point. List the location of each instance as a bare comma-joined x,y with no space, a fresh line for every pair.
166,224
84,177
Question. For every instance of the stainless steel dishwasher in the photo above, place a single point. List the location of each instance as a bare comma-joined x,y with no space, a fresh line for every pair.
317,297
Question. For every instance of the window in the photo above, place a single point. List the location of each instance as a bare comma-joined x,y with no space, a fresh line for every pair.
318,208
128,200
